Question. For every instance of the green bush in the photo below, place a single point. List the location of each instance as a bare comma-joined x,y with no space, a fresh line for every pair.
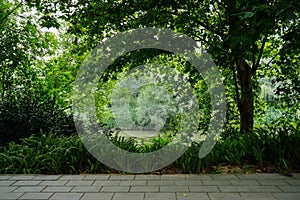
47,154
277,147
28,113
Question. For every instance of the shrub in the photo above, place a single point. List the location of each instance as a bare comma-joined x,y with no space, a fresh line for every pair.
270,147
24,114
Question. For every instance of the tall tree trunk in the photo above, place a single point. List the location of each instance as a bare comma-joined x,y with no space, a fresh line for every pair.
246,105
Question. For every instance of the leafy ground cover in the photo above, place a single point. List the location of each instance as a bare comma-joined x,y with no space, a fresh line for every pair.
268,149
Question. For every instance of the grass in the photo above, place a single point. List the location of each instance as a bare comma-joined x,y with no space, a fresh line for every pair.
272,149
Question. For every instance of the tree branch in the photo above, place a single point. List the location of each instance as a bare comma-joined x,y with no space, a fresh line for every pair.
209,28
253,58
272,58
260,54
199,38
200,23
10,12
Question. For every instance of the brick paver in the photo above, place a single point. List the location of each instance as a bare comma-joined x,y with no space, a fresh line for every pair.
192,196
30,189
150,187
57,189
97,196
225,196
7,196
22,177
31,196
64,196
47,177
159,196
6,183
144,189
53,183
4,177
26,183
100,177
160,183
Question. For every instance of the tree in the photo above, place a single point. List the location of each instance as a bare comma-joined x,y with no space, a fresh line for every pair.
235,32
26,104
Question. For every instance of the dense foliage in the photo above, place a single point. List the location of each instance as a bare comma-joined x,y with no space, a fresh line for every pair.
267,150
33,91
255,45
244,37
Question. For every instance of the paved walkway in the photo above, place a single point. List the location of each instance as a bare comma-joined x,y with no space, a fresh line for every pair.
150,187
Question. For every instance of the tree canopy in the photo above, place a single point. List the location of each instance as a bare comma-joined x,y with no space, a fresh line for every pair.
245,38
248,40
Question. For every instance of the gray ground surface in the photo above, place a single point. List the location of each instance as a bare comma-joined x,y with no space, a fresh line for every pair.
150,187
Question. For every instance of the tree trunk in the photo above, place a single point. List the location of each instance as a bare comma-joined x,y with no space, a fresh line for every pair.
246,104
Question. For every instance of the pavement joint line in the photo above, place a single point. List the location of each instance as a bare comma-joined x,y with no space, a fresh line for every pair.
279,188
269,186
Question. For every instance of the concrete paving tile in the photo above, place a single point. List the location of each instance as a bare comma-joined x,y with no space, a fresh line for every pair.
79,183
216,182
65,196
86,189
47,177
7,189
205,188
100,177
97,196
255,196
264,188
249,189
287,196
72,177
272,182
31,196
128,196
224,196
188,182
133,183
144,189
6,183
173,177
171,182
160,196
290,188
6,195
224,176
58,189
26,183
198,177
249,176
147,177
293,182
106,183
192,196
53,183
262,176
114,189
22,177
225,188
121,177
244,182
30,189
177,188
5,177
